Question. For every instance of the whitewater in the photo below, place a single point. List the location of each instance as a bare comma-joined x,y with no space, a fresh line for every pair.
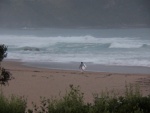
120,47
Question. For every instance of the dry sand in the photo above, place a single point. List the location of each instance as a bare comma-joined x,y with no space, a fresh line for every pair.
35,82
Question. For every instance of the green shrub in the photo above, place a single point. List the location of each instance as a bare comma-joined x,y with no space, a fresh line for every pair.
3,53
5,75
12,105
132,102
72,102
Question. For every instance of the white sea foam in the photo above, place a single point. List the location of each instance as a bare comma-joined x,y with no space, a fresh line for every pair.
101,50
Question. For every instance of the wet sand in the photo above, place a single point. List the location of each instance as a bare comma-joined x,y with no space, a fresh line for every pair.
91,67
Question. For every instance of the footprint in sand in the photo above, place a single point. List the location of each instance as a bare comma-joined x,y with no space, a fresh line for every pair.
51,75
104,76
33,75
45,77
36,71
85,75
73,73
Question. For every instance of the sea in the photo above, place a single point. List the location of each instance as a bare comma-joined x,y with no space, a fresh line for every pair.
117,47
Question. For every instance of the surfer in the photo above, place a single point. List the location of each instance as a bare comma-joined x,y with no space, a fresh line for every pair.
82,67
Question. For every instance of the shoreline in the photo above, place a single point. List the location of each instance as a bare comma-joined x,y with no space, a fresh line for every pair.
91,67
36,82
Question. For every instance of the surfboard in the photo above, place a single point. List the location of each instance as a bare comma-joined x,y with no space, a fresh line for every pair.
83,67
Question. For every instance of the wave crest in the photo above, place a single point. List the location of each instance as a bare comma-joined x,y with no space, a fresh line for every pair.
128,45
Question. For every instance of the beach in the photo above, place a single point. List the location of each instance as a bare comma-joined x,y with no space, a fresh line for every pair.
35,82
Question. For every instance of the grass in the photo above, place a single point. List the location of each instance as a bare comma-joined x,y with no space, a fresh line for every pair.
12,104
73,102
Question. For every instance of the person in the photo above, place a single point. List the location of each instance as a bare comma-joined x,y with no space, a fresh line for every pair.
82,67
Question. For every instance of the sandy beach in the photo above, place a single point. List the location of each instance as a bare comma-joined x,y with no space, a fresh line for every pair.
36,82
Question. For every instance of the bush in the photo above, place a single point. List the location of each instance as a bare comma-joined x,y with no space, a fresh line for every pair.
3,53
72,102
12,105
5,75
132,102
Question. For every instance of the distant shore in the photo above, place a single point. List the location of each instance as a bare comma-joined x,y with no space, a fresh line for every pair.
34,82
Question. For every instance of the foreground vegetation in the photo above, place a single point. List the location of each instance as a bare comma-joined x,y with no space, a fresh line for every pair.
5,75
73,102
12,104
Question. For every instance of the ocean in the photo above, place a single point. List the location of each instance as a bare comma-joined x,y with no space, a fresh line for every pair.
118,47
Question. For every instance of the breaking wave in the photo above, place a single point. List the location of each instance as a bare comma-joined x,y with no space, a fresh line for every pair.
128,45
70,48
